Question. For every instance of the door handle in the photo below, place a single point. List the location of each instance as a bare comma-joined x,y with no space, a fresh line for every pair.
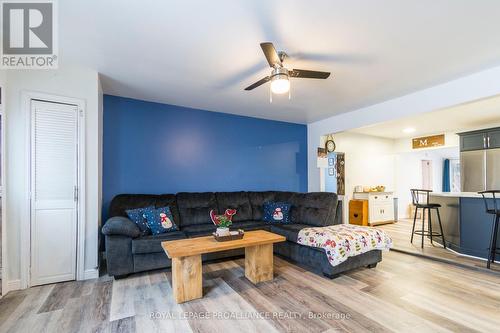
75,193
484,141
488,141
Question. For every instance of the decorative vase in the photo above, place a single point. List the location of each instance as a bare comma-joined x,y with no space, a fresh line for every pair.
222,232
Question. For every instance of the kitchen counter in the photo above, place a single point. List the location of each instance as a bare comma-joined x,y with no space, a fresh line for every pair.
457,194
466,226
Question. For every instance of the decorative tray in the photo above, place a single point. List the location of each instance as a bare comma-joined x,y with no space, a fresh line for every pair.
234,236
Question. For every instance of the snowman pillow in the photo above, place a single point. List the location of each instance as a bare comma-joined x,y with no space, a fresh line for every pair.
277,212
160,220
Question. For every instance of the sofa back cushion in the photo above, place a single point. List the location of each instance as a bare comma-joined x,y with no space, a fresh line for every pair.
123,202
257,201
315,208
194,208
235,200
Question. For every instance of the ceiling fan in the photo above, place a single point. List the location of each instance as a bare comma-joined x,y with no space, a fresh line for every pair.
280,75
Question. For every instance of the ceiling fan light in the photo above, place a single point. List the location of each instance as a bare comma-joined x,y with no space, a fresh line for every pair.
280,84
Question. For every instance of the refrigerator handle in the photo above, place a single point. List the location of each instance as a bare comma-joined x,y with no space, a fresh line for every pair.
488,145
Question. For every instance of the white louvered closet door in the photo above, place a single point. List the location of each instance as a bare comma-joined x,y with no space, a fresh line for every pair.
54,174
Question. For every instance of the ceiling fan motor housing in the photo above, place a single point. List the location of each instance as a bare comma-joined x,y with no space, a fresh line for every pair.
280,73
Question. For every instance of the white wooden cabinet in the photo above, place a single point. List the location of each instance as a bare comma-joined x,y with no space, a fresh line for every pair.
380,206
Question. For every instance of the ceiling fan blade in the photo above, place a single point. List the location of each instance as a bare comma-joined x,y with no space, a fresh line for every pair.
302,73
271,54
258,83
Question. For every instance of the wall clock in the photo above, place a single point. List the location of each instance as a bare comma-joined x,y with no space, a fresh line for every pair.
330,144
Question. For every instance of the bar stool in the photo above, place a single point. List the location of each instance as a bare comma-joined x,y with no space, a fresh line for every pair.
493,210
420,199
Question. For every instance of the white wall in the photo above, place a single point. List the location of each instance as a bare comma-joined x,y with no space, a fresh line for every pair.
469,88
72,82
369,161
408,168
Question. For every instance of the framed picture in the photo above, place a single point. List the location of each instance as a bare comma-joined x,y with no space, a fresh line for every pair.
321,152
330,161
331,172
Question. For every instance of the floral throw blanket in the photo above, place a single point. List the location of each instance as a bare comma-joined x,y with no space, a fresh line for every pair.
344,240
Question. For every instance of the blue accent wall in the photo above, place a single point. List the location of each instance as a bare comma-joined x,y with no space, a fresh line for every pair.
158,148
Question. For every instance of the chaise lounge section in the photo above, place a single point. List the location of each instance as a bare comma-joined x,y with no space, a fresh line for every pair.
128,252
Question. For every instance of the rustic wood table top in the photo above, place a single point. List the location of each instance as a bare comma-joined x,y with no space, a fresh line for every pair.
207,244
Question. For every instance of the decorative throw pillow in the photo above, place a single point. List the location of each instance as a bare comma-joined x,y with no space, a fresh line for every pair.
160,220
277,212
137,216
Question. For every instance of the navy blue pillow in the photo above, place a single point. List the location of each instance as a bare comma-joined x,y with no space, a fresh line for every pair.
277,212
160,220
137,215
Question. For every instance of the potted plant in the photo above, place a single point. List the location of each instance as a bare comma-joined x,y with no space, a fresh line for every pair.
223,226
223,221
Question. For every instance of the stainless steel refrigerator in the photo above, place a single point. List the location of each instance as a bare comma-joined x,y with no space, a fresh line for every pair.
480,170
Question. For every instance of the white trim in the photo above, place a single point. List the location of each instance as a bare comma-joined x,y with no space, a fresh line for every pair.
4,286
91,274
12,285
25,228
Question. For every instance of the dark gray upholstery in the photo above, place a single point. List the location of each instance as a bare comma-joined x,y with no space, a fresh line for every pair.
257,200
315,209
199,230
235,200
119,225
194,208
314,259
290,231
128,252
119,255
251,225
152,243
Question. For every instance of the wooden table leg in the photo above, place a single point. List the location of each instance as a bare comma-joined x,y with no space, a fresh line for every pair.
259,263
187,278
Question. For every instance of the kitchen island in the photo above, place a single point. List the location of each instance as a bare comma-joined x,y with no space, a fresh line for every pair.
466,226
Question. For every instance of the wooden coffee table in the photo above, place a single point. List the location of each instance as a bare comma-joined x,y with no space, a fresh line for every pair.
186,260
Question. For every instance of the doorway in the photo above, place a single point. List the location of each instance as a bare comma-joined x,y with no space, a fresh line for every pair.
427,175
2,194
55,227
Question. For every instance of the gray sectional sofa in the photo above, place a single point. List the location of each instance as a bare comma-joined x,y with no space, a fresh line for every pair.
129,252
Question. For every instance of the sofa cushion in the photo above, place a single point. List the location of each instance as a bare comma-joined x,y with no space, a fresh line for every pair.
169,200
199,230
315,208
194,208
257,200
250,225
290,231
123,202
285,196
121,226
152,243
160,220
235,200
277,212
137,216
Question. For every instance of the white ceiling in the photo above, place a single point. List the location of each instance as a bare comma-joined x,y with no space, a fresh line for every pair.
202,54
475,115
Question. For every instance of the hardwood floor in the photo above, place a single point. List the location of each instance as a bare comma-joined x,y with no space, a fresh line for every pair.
404,294
401,232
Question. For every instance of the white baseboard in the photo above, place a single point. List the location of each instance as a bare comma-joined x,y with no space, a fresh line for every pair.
13,285
91,274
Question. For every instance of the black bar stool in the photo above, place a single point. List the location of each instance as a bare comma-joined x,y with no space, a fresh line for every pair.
493,210
420,199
